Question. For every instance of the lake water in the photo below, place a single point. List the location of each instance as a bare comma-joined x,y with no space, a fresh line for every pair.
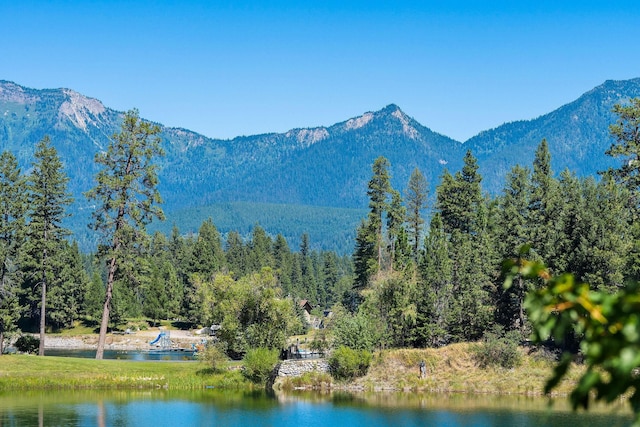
231,408
124,354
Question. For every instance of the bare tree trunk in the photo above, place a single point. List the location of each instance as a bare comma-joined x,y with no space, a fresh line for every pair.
43,299
104,324
520,303
1,343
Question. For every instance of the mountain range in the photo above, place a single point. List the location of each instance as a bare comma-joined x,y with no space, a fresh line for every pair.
323,169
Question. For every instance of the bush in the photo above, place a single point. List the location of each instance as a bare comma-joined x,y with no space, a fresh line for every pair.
319,344
259,363
27,344
314,380
356,331
498,348
214,356
346,363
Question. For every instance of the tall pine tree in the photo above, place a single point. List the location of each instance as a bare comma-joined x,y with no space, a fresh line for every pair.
416,199
13,205
127,199
48,198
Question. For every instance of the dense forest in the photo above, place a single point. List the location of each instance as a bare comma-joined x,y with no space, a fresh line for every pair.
412,280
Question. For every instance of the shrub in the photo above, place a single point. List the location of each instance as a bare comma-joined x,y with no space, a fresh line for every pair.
27,344
356,331
320,344
346,363
214,356
258,364
498,348
314,380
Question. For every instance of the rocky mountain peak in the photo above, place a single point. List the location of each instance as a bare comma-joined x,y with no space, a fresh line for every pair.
11,92
408,124
79,109
307,137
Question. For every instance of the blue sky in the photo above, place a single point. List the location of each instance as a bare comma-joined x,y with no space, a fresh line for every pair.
239,68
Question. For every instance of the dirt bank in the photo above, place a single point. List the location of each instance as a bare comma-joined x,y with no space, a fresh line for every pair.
134,341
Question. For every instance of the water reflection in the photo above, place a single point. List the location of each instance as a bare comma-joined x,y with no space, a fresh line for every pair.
236,408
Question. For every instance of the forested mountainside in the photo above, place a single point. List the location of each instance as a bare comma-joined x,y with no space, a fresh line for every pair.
577,134
322,167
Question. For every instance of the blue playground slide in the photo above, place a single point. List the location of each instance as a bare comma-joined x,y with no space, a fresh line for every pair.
157,339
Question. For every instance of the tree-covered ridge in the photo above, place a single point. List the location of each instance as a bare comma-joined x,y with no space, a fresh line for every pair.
330,229
325,166
577,134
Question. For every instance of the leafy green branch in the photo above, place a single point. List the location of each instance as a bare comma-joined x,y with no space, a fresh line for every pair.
608,327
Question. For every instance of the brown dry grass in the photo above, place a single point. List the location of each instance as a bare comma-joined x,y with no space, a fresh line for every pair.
453,369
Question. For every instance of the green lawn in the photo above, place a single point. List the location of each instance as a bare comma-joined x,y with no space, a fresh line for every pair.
22,372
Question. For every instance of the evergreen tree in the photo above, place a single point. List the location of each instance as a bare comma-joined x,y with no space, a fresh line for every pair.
164,291
487,261
296,275
403,250
470,311
127,200
602,250
260,250
12,212
364,258
156,298
68,288
94,297
318,278
460,202
177,248
283,263
570,225
627,146
369,249
626,132
416,199
179,256
395,227
330,278
396,303
459,196
379,188
514,232
435,288
236,255
309,287
543,205
9,312
48,198
207,257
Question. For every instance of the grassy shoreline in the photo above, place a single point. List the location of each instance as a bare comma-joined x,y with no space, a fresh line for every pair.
449,370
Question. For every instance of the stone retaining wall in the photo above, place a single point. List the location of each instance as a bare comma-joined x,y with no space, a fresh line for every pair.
295,368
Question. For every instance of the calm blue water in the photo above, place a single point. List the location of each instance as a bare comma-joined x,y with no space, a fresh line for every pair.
229,408
124,354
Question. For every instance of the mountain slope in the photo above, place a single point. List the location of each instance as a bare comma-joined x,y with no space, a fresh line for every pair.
323,166
334,166
577,134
